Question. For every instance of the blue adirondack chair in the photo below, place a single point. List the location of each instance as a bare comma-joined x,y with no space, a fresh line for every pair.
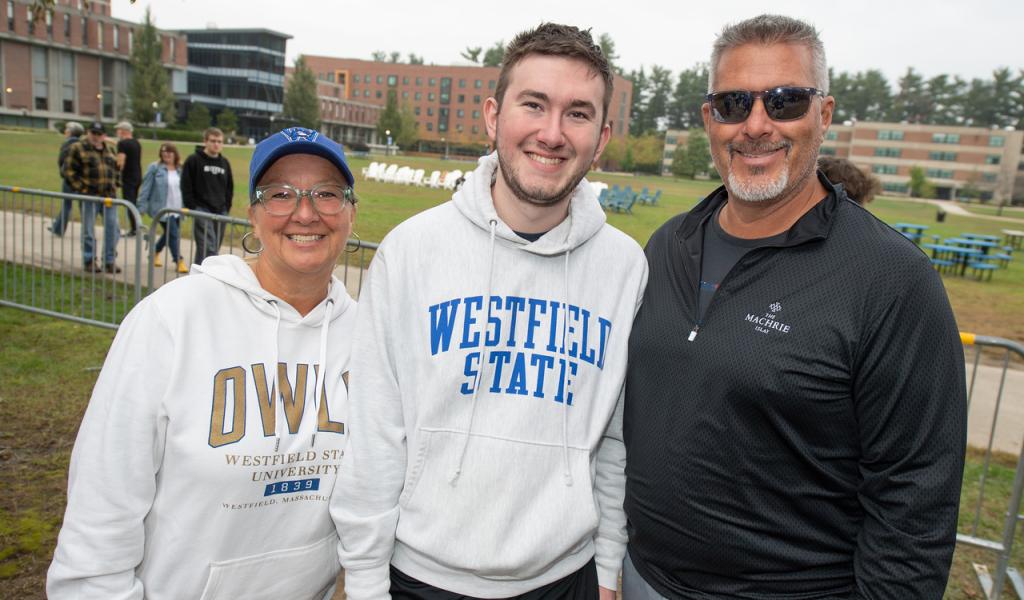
602,198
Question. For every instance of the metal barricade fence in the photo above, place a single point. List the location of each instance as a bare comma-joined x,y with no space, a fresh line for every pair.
44,272
989,524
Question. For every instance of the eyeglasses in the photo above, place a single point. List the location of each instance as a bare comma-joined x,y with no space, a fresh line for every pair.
780,104
282,199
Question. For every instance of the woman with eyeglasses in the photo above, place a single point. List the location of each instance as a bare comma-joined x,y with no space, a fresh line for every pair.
161,188
205,459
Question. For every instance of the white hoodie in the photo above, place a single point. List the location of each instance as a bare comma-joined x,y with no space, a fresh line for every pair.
493,486
175,488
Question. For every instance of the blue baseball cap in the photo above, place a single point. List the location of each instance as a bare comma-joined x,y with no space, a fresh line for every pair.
296,140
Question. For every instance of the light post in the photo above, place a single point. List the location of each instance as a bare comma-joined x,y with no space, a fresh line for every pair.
387,151
445,140
156,116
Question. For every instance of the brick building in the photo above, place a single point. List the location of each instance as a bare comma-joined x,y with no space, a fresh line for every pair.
347,121
73,64
447,100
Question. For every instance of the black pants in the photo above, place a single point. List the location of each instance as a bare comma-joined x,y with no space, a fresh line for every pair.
581,585
130,191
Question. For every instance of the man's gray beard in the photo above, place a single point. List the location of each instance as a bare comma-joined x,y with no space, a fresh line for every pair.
758,191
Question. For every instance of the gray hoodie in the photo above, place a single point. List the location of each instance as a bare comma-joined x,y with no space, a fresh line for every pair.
485,450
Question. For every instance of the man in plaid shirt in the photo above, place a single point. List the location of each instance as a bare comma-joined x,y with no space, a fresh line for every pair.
91,169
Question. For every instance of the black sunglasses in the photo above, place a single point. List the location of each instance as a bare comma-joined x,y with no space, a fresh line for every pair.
781,103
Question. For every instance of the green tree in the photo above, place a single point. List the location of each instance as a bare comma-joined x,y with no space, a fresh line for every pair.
415,60
912,103
920,187
390,118
693,158
687,98
647,151
638,108
947,98
395,57
301,103
494,55
379,56
227,120
408,131
607,45
472,54
150,82
198,117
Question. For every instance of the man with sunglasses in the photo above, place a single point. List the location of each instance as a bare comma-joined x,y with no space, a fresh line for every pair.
795,400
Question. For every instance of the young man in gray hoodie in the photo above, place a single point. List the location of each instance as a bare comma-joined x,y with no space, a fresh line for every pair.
486,455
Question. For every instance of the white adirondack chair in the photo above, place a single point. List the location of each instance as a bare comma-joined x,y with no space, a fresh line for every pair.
370,171
434,181
389,174
417,177
453,176
403,176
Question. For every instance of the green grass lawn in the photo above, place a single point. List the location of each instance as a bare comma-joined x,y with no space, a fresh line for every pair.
28,159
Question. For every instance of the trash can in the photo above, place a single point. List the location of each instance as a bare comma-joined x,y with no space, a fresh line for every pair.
940,216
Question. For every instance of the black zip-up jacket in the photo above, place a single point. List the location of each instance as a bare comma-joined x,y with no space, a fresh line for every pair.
809,441
206,183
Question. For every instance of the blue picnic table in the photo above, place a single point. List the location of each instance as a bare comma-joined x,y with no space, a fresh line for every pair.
911,231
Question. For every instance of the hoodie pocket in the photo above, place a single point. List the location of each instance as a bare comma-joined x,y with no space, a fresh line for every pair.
509,514
302,573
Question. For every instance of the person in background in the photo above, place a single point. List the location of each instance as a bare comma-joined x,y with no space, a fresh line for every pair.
861,187
205,459
161,188
795,413
207,185
72,131
91,169
129,161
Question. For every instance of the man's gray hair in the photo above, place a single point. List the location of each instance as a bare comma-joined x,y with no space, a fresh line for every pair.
768,30
74,127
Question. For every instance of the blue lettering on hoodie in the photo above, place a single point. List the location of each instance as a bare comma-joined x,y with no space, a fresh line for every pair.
532,334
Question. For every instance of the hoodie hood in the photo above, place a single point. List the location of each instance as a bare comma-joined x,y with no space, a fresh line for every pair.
235,272
475,202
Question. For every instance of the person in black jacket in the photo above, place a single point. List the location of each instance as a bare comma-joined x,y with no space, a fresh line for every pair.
795,409
72,131
206,185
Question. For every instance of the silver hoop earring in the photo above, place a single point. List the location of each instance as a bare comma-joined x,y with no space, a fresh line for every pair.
350,249
247,240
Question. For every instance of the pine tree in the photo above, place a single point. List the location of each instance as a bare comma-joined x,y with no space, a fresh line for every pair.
150,82
198,117
301,104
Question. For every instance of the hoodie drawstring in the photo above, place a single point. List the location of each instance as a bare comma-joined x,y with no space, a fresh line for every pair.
567,475
454,475
278,398
321,370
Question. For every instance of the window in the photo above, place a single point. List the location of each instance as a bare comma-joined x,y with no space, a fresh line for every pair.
476,114
174,48
491,84
405,81
478,84
355,78
49,24
446,92
405,95
99,35
992,159
431,97
31,23
462,83
40,79
476,129
67,27
430,111
946,138
433,82
888,134
392,80
884,169
476,99
10,16
380,79
939,173
989,177
355,92
893,186
378,94
996,140
948,156
366,93
416,111
67,82
116,37
419,81
670,140
131,39
442,119
430,126
418,96
85,31
460,113
826,151
461,98
892,152
832,135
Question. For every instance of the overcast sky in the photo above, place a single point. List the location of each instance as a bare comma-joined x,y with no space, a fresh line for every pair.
969,38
